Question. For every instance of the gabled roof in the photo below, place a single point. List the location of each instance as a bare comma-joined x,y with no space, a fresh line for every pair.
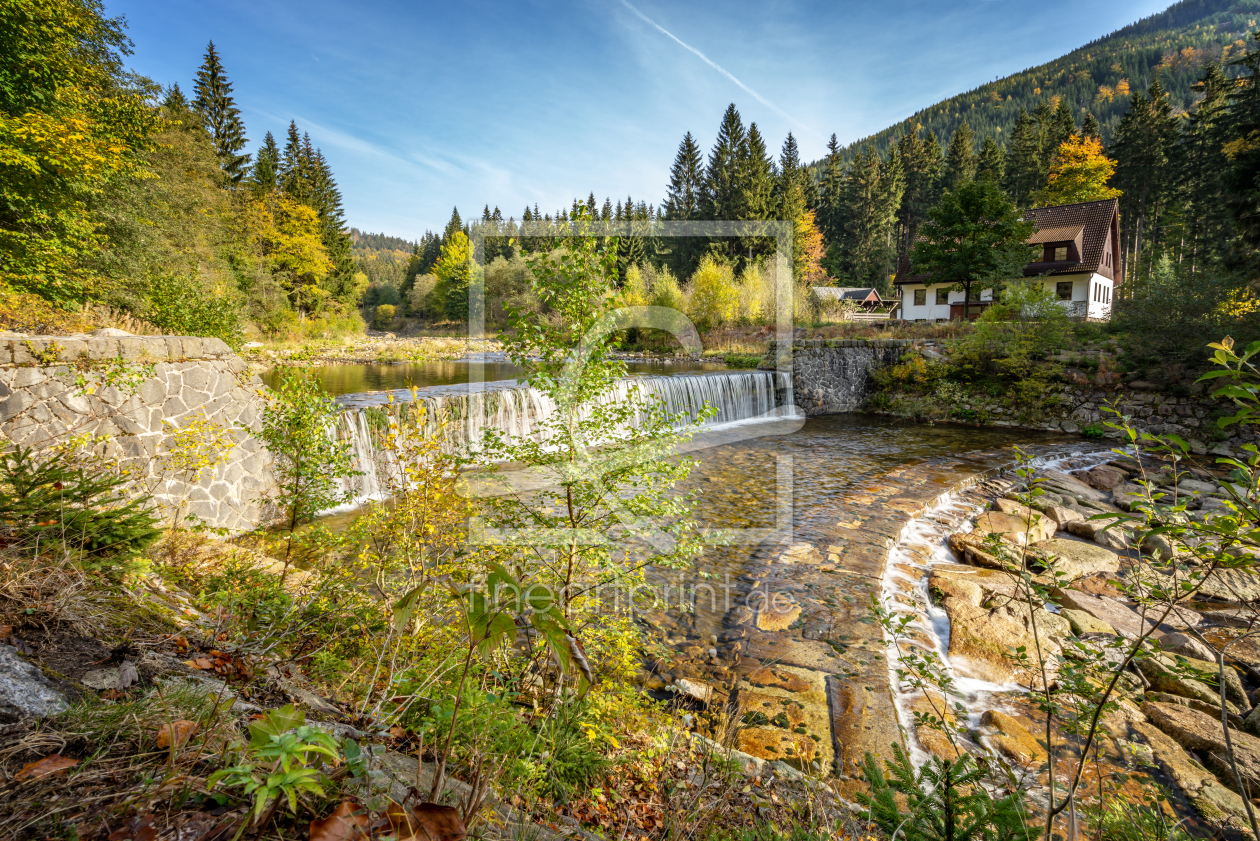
848,293
1094,217
1087,223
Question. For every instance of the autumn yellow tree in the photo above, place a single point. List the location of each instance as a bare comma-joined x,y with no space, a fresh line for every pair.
71,122
810,251
287,235
1079,172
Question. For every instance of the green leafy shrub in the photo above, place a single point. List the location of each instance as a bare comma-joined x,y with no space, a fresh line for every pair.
182,306
1093,430
383,316
52,501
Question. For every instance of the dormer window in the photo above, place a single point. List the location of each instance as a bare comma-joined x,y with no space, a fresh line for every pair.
1060,253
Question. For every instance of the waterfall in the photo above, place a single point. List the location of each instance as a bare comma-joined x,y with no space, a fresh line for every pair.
459,415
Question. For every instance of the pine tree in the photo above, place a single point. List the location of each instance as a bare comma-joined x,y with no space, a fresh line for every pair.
336,239
724,187
960,159
453,226
175,101
1090,128
1243,176
1023,175
264,177
222,119
830,205
873,191
684,202
991,164
791,187
1144,148
294,167
759,185
1062,126
921,163
1203,166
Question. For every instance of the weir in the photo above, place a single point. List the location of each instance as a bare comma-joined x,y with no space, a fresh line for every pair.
459,416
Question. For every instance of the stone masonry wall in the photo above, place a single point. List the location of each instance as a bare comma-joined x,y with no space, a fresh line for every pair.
133,392
834,375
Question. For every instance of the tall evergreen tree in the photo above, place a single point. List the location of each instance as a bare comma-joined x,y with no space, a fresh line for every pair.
960,158
1203,166
294,167
791,186
1062,126
1090,127
759,185
684,202
453,226
685,193
174,100
217,109
831,196
265,174
991,164
1024,174
333,232
724,181
873,191
921,163
1243,177
1144,149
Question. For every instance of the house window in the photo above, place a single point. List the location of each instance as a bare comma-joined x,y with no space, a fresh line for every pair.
920,297
1064,290
942,296
1060,252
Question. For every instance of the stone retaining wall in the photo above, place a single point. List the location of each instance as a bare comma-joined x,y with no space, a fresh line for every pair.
132,392
834,375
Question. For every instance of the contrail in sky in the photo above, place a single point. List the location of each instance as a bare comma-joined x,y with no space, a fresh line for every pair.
713,64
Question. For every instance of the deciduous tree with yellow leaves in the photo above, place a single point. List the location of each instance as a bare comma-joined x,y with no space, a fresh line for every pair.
71,122
1079,172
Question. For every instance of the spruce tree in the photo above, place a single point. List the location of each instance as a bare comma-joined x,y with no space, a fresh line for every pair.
174,101
992,162
866,253
1090,127
1023,175
831,196
791,186
453,226
1243,176
294,167
1062,126
333,233
684,202
264,177
1203,166
1144,149
220,116
921,164
758,202
960,159
724,187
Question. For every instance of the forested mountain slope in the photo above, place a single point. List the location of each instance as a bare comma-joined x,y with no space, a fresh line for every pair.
1099,78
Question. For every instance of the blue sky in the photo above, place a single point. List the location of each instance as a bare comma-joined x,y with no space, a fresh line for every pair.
420,106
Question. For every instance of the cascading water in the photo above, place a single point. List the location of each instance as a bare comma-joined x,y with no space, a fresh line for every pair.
459,416
922,545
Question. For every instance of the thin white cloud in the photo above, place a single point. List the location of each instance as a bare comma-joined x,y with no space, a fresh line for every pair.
719,68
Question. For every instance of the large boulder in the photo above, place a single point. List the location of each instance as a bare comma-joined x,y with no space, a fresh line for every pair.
1071,485
1104,477
1075,559
970,547
1124,619
989,620
1202,733
1019,527
1215,802
1005,734
1164,678
24,691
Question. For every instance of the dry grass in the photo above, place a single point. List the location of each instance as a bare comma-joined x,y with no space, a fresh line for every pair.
49,589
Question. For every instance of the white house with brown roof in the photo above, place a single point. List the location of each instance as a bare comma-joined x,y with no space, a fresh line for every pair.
1079,262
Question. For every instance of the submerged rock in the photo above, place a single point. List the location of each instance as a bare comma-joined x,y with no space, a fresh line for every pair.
24,690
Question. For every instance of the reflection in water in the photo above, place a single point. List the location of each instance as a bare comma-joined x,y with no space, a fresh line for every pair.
350,379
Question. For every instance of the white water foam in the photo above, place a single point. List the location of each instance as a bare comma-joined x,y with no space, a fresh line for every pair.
923,544
460,416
